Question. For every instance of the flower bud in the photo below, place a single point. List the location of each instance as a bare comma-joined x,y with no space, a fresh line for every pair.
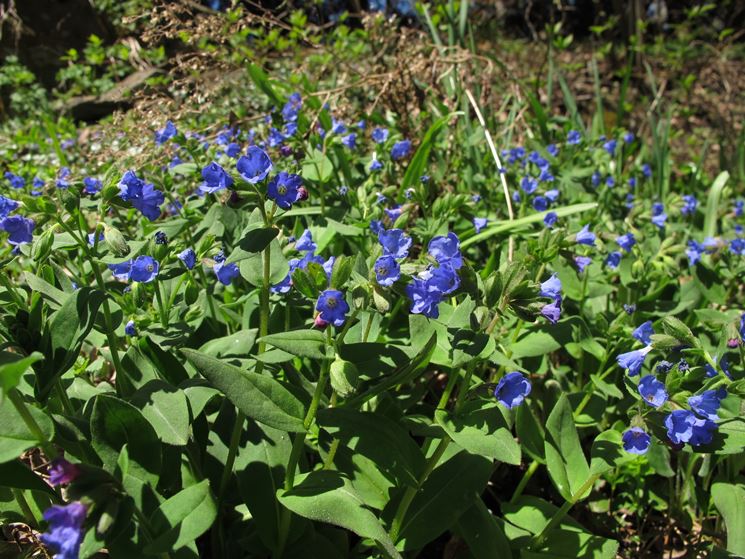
302,193
115,241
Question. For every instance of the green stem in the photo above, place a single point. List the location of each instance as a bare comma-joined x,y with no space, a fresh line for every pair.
64,399
20,498
235,439
524,481
559,515
161,307
264,305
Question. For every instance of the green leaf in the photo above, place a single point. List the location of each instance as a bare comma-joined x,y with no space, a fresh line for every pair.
481,429
167,410
326,496
182,519
608,453
482,534
17,475
317,167
259,397
711,213
730,501
252,266
450,490
234,345
256,238
303,343
567,465
530,433
419,160
381,439
12,367
15,437
115,423
260,78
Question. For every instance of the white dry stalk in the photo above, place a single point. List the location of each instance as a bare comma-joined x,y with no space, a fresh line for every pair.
494,153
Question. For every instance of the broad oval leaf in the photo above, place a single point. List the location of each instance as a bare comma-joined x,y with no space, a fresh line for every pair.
567,465
15,437
167,410
303,343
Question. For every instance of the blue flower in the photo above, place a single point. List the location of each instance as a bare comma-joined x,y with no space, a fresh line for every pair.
633,360
545,176
121,271
658,215
737,246
644,332
529,185
275,138
20,229
684,427
332,307
516,196
423,299
379,135
610,182
285,189
723,364
305,242
292,107
394,213
387,271
574,137
62,176
479,223
551,288
16,181
628,137
536,158
6,206
375,165
582,262
663,367
442,279
652,391
626,241
400,150
142,195
91,185
188,257
694,252
215,178
162,136
632,183
690,204
63,472
552,311
610,147
144,269
65,532
512,389
552,150
552,195
255,165
337,126
92,238
395,242
225,272
613,259
550,219
707,403
540,204
739,208
647,171
585,236
376,226
636,440
446,250
350,140
595,179
629,309
130,329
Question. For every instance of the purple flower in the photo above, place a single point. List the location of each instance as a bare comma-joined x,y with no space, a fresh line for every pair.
6,206
446,250
188,257
644,332
613,259
130,329
551,288
552,311
479,223
512,389
636,440
92,185
215,178
394,242
652,391
633,360
144,269
285,189
255,165
707,403
387,271
20,229
400,150
626,241
690,204
142,195
62,472
582,262
333,307
379,135
585,236
574,137
550,219
65,532
162,136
